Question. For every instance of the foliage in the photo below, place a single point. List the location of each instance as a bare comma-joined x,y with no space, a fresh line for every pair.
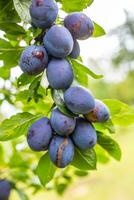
34,99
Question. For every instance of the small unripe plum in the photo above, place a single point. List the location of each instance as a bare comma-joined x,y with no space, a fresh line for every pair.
58,41
84,136
61,151
76,50
5,189
100,113
34,60
62,124
79,100
80,25
43,13
39,135
59,74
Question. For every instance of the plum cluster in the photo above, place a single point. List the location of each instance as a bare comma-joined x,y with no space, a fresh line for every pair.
56,44
61,134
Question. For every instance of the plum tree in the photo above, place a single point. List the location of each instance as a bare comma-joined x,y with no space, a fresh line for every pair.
84,136
34,60
76,50
39,135
5,189
61,151
59,74
43,13
80,25
58,41
79,100
62,124
99,114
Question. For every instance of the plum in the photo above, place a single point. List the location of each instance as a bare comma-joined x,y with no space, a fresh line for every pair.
76,50
58,41
61,151
59,74
62,124
5,189
34,60
80,25
79,100
84,136
100,113
39,135
43,13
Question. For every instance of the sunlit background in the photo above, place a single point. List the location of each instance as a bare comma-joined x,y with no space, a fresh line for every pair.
111,55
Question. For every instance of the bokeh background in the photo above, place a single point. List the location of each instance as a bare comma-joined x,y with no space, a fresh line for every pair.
113,56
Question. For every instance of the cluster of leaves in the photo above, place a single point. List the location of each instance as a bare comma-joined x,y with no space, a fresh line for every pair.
31,95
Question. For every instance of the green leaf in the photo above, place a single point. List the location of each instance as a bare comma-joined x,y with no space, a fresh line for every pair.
12,28
108,125
33,89
102,155
24,79
98,30
61,187
16,126
4,72
4,45
58,99
22,96
45,169
9,54
82,72
22,8
84,160
110,145
81,173
121,113
75,5
7,12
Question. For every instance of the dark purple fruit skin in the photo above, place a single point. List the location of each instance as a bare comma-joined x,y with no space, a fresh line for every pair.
76,50
79,100
39,135
59,74
34,60
84,136
58,42
5,189
62,124
43,13
61,151
99,114
80,25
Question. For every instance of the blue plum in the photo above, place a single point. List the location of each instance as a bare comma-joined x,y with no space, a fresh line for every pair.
79,100
43,13
39,135
59,74
99,114
80,25
5,189
61,151
76,50
84,136
34,60
58,41
62,124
